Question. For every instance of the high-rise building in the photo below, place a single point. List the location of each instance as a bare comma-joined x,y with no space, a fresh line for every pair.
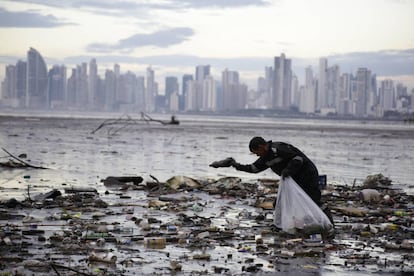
82,90
150,92
127,96
93,85
321,96
387,95
332,86
9,90
363,81
209,94
117,70
295,95
36,88
307,103
373,101
140,93
344,102
57,87
230,85
202,71
174,102
263,98
119,92
71,89
186,78
171,87
194,99
282,79
21,74
109,90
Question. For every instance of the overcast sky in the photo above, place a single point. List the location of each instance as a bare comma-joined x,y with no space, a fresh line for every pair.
174,36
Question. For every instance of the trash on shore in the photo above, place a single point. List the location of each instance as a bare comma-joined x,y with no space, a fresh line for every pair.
200,226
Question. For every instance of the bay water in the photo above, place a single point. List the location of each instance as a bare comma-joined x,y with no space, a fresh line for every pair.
347,151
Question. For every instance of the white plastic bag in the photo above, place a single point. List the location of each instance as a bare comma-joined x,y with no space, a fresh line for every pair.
295,210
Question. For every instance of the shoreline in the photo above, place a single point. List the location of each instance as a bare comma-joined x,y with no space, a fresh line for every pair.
247,114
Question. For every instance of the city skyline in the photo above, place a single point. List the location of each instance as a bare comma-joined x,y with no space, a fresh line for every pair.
242,35
31,85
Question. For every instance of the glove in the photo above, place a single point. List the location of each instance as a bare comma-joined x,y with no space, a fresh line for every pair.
285,173
228,162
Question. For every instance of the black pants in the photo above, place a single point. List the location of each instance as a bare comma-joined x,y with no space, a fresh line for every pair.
308,180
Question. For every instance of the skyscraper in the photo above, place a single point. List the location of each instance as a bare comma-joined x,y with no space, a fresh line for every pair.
344,106
183,96
387,96
363,80
10,82
36,89
150,91
307,102
57,87
82,91
209,94
109,88
202,71
321,96
21,74
93,84
332,86
171,87
282,78
230,85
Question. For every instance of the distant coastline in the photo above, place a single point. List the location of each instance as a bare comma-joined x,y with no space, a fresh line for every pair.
372,127
254,113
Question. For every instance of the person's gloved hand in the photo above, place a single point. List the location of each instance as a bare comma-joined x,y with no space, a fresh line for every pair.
285,173
228,162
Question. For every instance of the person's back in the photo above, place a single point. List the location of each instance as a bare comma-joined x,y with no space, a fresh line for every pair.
285,160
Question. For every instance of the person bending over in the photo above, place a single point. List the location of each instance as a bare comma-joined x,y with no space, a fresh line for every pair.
285,160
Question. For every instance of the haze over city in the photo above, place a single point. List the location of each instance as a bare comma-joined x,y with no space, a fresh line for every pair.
242,35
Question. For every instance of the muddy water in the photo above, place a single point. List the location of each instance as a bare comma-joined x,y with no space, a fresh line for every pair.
345,151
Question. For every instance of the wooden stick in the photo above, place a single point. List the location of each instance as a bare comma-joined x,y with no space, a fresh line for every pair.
69,268
23,162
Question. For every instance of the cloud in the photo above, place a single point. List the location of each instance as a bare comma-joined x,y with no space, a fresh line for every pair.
386,62
130,7
10,59
28,20
219,3
161,39
382,63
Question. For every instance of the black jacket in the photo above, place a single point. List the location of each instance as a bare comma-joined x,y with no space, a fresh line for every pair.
285,157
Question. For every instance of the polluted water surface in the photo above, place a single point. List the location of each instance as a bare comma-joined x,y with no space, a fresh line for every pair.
143,201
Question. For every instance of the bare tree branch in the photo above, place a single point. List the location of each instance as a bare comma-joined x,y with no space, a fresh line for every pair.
23,162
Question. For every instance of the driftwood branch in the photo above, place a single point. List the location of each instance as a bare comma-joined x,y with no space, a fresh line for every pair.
148,119
118,121
123,122
55,265
24,164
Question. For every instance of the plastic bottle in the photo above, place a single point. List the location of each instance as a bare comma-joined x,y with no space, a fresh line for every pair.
400,213
172,228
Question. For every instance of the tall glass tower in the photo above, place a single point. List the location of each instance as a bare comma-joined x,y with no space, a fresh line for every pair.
36,88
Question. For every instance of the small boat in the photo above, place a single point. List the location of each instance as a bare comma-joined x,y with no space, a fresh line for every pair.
173,121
